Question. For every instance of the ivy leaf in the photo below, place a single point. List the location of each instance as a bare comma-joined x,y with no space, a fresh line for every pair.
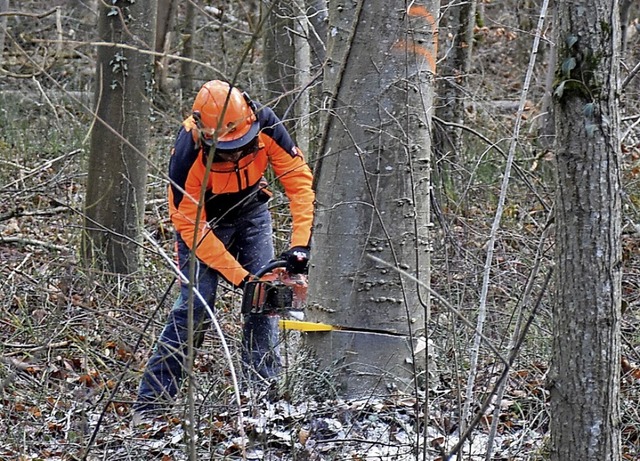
571,40
568,65
590,128
589,109
559,89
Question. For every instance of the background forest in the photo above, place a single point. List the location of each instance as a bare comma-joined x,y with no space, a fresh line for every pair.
73,340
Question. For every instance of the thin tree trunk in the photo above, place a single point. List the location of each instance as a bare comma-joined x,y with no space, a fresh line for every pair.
279,58
625,10
164,28
186,68
459,18
316,29
546,122
4,7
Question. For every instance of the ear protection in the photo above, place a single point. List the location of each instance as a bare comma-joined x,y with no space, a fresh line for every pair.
249,102
203,140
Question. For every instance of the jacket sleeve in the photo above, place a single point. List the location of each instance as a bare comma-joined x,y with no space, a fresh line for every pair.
186,172
294,173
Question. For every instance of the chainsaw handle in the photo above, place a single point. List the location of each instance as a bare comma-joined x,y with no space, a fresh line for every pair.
249,290
270,266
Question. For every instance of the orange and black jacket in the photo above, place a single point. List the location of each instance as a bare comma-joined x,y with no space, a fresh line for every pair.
236,188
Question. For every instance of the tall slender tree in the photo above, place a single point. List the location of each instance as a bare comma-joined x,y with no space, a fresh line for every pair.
116,179
187,33
585,373
4,7
457,21
373,190
280,54
166,15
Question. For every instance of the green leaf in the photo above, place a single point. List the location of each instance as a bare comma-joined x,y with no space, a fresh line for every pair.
589,109
571,40
559,89
568,65
590,128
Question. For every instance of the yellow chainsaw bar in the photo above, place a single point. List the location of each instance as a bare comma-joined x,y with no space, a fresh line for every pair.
301,325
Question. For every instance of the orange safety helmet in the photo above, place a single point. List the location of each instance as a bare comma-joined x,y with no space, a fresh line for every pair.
226,112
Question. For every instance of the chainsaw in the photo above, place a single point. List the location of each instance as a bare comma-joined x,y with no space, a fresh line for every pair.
277,292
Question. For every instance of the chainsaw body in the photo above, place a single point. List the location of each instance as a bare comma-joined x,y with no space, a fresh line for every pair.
275,292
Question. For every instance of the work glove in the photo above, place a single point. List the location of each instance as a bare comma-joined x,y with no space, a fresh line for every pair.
248,278
297,259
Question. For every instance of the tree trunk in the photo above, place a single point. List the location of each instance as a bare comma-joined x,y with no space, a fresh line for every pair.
116,180
279,58
585,374
373,193
186,68
546,131
164,27
317,16
459,19
625,10
301,42
4,7
288,40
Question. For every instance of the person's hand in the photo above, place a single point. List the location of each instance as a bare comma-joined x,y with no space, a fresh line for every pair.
248,278
297,259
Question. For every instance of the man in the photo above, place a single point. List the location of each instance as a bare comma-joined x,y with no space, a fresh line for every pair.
222,151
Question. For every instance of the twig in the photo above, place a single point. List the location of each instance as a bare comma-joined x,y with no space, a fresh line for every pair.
125,46
35,348
507,362
630,130
18,364
127,366
44,166
41,69
16,270
494,145
25,241
31,15
16,213
631,75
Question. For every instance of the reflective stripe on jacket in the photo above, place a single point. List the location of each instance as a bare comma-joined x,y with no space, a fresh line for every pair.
233,188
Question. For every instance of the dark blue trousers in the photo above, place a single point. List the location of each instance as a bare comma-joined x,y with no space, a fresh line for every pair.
249,239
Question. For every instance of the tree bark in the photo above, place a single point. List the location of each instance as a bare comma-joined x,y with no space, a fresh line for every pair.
459,18
280,58
546,122
164,28
373,192
318,30
186,68
117,165
585,374
4,7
